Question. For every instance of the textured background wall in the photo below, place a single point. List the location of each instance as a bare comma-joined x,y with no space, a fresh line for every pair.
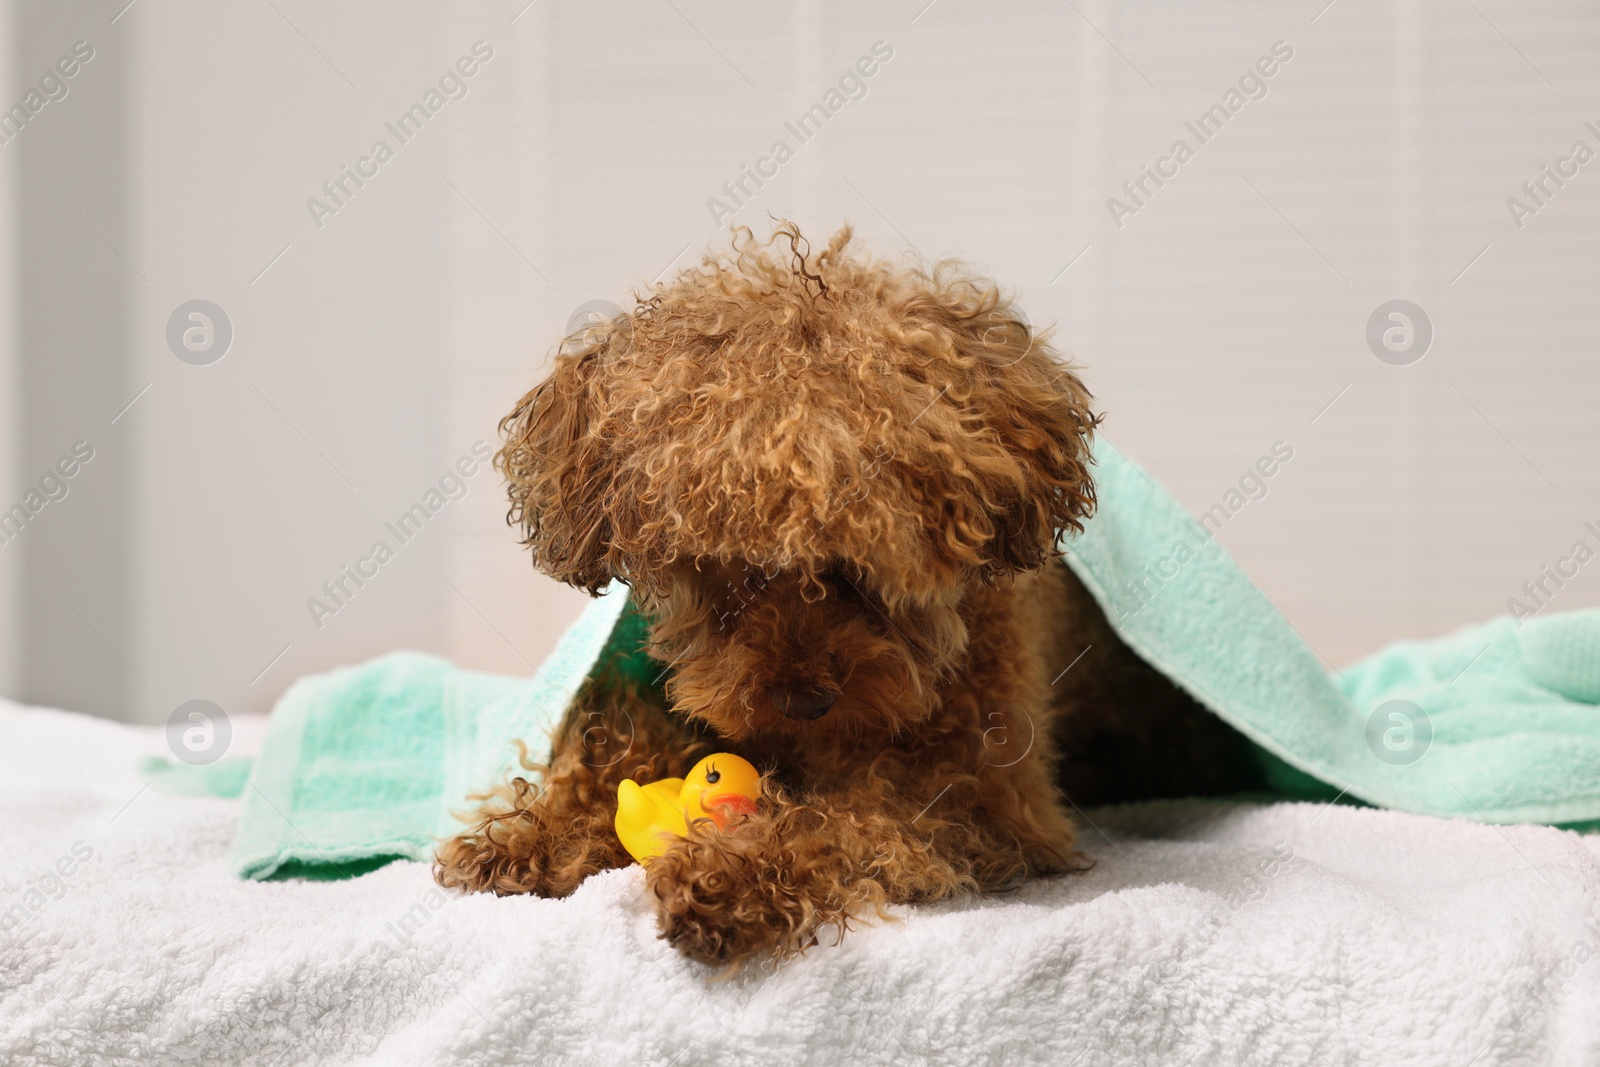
226,488
1217,314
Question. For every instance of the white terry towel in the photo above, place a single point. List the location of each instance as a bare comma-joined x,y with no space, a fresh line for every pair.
1206,933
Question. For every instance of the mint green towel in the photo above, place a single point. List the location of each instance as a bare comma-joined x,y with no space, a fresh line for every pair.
1493,723
368,762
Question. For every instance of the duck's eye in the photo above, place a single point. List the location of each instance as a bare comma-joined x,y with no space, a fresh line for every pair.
713,777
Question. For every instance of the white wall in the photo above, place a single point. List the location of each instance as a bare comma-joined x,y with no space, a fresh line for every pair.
10,429
265,473
1220,318
222,496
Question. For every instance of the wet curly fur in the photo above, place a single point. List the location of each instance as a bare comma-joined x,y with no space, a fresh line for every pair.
833,486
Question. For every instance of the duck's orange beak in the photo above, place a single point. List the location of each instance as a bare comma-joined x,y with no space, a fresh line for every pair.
723,806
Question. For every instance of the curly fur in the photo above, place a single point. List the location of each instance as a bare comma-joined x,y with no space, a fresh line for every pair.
793,413
831,483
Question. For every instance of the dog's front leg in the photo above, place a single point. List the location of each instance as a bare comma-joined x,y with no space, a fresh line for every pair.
765,886
546,836
1018,799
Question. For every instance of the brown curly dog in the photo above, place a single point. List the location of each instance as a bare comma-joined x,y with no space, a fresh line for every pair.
833,487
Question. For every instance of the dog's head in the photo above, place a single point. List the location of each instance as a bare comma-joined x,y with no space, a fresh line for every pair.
802,464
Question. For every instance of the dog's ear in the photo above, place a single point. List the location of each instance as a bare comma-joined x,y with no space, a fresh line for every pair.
1036,407
558,468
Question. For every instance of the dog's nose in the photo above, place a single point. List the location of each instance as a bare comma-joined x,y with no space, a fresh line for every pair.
804,704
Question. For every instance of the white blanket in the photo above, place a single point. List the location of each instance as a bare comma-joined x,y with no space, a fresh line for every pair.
1206,933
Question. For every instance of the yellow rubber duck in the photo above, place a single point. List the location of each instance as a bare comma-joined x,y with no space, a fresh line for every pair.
650,816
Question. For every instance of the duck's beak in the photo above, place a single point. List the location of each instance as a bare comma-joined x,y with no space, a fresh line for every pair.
723,806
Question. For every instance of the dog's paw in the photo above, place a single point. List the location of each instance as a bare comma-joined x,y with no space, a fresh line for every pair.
529,849
720,900
1052,859
724,897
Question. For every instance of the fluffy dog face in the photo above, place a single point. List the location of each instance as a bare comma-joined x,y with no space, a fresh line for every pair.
800,652
801,464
